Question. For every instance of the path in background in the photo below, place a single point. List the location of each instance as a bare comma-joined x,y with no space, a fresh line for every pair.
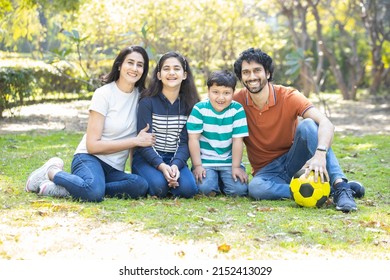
351,117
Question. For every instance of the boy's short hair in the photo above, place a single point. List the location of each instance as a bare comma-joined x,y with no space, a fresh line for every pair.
223,78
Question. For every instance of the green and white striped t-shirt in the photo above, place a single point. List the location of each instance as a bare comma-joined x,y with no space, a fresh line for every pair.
217,131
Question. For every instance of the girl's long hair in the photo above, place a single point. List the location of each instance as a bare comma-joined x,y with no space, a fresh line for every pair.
114,73
188,93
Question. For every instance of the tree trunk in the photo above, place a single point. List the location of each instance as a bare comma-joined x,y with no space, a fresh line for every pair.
375,20
301,39
335,68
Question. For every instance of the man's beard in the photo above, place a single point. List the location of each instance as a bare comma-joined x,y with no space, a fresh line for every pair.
262,85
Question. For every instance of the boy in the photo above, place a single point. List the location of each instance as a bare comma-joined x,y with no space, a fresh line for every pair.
216,128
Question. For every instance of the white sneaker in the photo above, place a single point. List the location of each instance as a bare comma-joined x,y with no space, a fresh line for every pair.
48,188
38,176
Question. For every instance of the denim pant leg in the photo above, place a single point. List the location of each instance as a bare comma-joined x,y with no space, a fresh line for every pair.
304,147
210,182
187,186
158,185
268,182
87,181
231,187
272,181
124,185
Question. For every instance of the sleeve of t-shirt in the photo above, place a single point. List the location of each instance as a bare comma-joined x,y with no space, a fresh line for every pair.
195,121
99,102
300,102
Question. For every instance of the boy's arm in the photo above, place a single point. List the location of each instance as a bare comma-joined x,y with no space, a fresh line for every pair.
237,150
194,147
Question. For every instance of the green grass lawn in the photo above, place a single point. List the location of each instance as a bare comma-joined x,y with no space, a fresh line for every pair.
270,229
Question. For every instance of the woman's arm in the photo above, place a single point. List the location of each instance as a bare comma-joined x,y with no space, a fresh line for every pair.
95,145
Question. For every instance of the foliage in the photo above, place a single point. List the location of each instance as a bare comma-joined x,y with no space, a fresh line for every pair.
24,80
16,85
211,34
295,60
252,229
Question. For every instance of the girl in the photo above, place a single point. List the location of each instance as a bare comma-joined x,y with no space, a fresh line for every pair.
99,161
165,107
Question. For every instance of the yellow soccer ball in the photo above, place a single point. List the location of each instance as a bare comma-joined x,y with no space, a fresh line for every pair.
306,192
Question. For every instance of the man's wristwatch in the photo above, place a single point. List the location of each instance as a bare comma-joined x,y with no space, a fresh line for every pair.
322,149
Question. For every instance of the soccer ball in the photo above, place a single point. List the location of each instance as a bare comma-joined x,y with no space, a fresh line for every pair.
306,192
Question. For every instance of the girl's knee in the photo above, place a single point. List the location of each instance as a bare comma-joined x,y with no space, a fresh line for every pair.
187,190
158,190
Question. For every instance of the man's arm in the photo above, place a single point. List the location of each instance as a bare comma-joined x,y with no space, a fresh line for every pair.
325,137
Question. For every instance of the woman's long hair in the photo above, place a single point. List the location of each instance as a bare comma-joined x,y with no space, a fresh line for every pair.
188,93
114,74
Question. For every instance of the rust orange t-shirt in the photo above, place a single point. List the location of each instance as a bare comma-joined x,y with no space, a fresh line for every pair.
272,129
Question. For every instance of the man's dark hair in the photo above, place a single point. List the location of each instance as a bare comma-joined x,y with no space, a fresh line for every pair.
224,78
255,55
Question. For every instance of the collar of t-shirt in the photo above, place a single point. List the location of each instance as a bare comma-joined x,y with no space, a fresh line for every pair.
271,98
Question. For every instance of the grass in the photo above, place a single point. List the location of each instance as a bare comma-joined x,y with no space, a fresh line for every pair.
253,229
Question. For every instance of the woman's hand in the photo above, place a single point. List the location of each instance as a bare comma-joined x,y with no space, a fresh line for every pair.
146,139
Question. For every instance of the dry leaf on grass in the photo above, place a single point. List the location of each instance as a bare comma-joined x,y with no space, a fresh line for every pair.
224,248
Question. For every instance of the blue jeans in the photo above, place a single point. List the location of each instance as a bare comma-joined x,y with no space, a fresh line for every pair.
273,180
219,179
158,185
92,179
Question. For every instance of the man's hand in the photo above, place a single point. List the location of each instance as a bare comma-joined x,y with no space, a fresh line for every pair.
318,164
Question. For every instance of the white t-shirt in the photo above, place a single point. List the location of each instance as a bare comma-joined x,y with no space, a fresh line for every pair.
120,112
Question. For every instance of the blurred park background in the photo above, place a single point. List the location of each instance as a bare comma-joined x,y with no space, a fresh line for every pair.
59,49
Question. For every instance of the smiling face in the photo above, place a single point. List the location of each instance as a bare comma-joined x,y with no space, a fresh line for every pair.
253,76
171,73
132,68
220,97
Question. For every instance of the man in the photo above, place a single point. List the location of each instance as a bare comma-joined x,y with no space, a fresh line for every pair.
277,145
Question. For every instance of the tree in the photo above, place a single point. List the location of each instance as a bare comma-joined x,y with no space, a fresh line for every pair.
296,13
375,15
348,80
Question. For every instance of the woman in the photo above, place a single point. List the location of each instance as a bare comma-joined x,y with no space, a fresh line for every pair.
99,161
165,107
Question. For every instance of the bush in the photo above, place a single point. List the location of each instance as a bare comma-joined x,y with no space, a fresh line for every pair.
18,84
15,85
